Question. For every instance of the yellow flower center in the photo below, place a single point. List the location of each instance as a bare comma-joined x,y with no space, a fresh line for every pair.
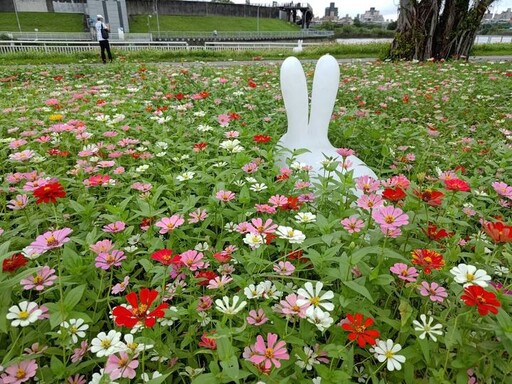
51,241
106,343
315,301
389,219
20,373
389,354
269,353
38,279
23,315
470,276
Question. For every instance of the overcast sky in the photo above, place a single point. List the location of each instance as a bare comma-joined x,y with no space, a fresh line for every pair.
387,8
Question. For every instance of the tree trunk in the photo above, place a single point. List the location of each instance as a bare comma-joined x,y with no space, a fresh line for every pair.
438,29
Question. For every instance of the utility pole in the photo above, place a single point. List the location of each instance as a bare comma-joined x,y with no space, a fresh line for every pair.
16,12
157,19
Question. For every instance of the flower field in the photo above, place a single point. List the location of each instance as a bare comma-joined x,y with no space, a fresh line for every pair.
147,235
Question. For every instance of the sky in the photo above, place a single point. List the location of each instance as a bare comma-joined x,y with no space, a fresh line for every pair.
387,8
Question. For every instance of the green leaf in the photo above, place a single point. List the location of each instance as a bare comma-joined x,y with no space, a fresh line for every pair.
58,368
405,312
73,297
230,368
361,289
5,302
158,380
207,378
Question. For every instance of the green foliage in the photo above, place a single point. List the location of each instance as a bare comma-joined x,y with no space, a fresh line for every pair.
44,22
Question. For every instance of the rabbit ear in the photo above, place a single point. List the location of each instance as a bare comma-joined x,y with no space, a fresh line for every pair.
323,97
295,96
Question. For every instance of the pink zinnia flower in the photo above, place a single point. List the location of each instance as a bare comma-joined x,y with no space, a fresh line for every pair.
278,200
45,277
265,208
257,226
367,184
223,120
197,216
369,202
50,240
225,196
77,379
121,366
345,152
167,224
257,317
193,260
284,268
352,224
390,217
18,203
219,282
502,189
434,291
120,287
290,308
404,272
106,260
79,353
270,352
116,227
19,372
102,246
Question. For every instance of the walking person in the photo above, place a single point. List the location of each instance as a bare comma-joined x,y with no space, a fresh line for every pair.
104,44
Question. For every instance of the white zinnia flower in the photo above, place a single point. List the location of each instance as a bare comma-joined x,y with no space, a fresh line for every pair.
134,348
107,344
290,234
427,328
258,187
185,176
254,292
24,314
253,240
469,275
76,328
224,306
314,297
305,217
321,319
386,350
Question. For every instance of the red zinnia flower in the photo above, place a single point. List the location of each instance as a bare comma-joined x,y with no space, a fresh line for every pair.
139,311
484,300
431,197
427,259
251,83
222,257
165,257
14,262
199,146
457,185
393,194
498,231
293,204
234,115
435,233
49,193
207,342
357,327
261,138
204,277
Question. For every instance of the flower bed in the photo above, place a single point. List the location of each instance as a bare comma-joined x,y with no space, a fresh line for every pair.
147,235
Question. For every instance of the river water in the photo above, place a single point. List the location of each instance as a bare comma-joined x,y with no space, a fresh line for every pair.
480,39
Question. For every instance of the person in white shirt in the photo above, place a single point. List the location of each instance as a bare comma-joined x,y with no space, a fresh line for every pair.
104,44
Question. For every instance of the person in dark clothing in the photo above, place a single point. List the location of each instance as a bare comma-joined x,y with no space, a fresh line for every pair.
104,44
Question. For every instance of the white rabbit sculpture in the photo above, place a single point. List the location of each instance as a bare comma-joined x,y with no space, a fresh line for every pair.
310,132
298,48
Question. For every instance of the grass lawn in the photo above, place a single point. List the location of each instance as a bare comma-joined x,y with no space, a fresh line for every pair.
72,22
45,22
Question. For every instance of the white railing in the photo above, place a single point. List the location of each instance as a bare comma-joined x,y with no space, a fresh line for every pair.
68,47
72,36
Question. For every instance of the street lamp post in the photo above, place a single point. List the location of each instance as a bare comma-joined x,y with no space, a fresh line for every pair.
16,12
258,19
157,19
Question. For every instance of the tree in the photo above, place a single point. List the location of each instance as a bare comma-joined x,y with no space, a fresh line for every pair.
439,29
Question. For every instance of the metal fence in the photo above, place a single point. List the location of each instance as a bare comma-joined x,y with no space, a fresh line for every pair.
72,36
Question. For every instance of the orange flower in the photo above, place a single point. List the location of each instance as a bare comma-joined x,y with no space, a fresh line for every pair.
498,231
427,259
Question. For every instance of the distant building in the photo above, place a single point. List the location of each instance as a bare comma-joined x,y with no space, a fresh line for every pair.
503,17
372,16
346,20
487,17
331,11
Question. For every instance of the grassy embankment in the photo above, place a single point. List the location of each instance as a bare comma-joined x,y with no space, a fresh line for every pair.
73,23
